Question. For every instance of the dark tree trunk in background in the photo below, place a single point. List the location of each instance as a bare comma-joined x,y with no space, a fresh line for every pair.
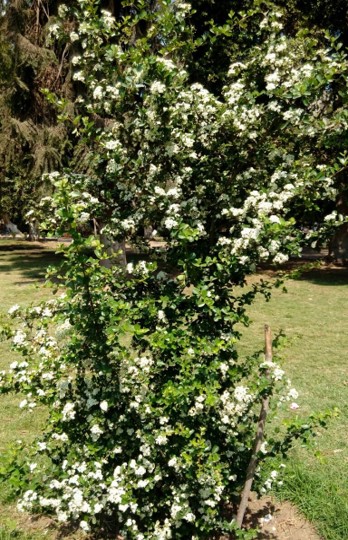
338,245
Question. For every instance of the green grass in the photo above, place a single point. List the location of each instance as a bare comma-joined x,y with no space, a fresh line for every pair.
22,270
312,315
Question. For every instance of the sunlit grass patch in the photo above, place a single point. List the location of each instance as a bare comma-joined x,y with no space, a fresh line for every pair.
312,317
22,270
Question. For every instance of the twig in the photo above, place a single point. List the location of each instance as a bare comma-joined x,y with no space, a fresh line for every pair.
258,439
66,48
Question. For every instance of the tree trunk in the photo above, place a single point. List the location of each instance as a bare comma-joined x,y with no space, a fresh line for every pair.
338,245
116,252
11,227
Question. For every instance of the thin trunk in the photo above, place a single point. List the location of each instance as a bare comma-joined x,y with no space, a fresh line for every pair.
258,439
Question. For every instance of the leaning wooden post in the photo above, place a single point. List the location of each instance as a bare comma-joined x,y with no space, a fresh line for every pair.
258,439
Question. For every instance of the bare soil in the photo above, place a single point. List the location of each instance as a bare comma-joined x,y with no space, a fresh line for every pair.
278,520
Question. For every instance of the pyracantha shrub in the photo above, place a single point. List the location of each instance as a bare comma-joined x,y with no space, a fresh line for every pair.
152,414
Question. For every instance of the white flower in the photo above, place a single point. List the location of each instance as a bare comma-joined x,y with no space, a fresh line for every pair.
111,145
69,412
79,76
278,374
96,432
98,93
104,406
187,141
263,448
84,526
274,106
161,315
97,508
62,516
142,483
331,217
140,471
23,403
54,29
173,192
280,258
62,11
170,223
169,64
161,439
293,394
76,60
250,233
157,87
19,338
159,191
235,68
84,217
42,446
241,393
74,36
49,375
108,19
13,309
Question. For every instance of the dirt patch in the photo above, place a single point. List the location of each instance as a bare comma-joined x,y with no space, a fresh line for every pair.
278,520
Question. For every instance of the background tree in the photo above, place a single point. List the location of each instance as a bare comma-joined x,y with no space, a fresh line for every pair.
31,140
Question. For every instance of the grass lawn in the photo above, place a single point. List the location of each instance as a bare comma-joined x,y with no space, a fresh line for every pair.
22,269
313,317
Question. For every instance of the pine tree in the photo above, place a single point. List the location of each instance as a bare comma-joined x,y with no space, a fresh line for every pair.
31,140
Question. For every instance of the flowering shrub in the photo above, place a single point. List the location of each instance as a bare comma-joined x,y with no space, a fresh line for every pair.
152,413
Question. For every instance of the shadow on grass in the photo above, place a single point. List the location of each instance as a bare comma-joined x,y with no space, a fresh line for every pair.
327,276
20,247
30,265
318,272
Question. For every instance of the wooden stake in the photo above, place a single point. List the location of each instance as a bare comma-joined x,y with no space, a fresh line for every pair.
258,439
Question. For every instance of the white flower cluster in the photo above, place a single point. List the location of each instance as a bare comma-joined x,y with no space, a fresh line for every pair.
234,406
273,370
